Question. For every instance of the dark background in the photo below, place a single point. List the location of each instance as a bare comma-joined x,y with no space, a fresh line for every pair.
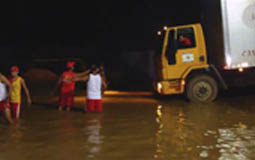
120,34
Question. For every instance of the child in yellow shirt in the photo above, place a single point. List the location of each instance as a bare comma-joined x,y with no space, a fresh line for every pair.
15,97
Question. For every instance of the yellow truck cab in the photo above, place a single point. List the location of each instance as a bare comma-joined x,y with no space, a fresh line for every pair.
183,53
199,59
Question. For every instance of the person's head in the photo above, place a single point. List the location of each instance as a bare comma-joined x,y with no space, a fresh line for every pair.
181,38
94,69
14,71
70,65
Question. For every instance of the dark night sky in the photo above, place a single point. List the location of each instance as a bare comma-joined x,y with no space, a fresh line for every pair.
118,33
100,25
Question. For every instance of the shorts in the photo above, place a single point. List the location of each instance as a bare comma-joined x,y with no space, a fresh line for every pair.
66,99
94,105
15,107
4,105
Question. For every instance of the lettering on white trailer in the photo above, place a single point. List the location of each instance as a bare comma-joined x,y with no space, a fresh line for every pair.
248,53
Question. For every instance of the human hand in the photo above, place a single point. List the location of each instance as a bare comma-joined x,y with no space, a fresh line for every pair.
29,101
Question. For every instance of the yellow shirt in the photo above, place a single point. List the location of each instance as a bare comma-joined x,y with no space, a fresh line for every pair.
16,91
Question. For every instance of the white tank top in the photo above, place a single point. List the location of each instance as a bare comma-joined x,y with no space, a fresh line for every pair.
94,87
3,92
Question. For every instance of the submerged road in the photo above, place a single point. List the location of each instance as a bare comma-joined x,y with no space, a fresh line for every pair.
134,126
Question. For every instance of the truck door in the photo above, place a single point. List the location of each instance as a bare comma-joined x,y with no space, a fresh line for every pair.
181,52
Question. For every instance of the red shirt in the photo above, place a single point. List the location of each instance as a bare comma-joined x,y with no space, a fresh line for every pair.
68,84
186,41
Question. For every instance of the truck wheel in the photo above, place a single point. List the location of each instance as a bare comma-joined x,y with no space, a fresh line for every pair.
202,89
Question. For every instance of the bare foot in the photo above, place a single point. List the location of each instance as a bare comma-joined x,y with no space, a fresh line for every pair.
68,109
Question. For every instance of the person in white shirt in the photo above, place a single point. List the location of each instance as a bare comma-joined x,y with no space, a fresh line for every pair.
95,82
4,94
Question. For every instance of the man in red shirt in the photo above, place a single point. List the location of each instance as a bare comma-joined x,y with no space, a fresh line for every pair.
185,41
67,83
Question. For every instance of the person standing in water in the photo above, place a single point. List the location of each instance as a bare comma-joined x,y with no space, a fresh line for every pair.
68,86
15,98
95,81
4,101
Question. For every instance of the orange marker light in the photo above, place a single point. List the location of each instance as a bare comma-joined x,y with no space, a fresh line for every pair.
183,82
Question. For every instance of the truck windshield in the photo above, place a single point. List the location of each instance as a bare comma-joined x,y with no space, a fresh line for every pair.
186,38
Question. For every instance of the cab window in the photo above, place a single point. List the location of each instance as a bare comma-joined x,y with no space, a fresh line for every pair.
171,49
186,38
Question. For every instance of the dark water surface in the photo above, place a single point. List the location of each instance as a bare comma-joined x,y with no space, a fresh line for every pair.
136,128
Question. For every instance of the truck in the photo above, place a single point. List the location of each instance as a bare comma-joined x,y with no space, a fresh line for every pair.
218,53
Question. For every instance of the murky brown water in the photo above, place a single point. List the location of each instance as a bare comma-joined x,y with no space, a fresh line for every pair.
137,129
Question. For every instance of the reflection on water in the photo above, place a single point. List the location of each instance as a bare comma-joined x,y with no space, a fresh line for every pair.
236,143
232,143
197,133
94,140
169,130
173,135
159,131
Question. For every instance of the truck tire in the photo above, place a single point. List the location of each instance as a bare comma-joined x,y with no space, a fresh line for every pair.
202,89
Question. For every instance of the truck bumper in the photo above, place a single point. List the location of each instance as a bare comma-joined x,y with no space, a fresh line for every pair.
170,87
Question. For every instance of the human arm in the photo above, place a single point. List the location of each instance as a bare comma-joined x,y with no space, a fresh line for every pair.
56,87
104,83
59,81
103,76
84,78
23,83
82,74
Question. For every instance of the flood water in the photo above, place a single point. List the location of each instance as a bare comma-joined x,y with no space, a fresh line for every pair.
137,128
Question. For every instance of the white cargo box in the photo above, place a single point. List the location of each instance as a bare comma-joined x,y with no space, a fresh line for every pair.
229,27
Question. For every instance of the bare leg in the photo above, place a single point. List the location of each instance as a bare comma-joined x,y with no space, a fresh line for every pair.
60,108
8,116
68,109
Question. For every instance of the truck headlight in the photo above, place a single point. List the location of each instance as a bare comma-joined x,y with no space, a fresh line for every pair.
159,87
